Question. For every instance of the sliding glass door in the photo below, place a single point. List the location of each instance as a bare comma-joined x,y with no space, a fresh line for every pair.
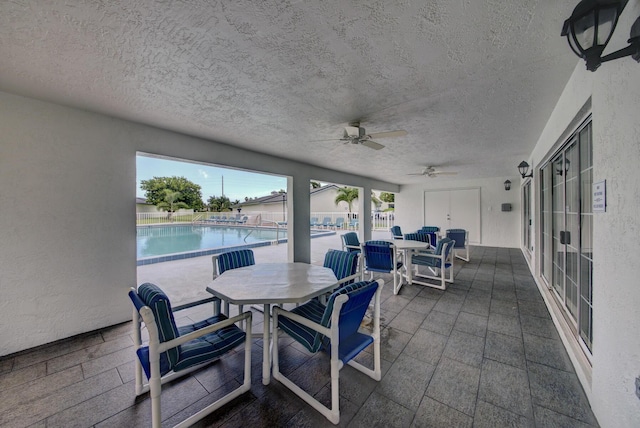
566,227
527,220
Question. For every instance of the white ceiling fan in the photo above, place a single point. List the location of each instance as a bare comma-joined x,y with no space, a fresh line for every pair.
355,134
431,172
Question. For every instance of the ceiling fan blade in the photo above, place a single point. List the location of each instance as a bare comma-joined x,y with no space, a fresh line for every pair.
332,139
389,134
443,173
418,174
372,145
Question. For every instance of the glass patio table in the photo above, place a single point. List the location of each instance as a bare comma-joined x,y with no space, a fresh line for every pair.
272,283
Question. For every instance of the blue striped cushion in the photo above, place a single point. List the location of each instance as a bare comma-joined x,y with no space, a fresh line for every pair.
235,259
154,298
425,261
378,256
342,263
210,346
315,311
396,231
411,237
430,229
351,238
432,261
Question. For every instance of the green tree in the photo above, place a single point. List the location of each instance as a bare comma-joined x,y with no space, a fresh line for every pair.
348,195
377,202
171,202
314,184
387,197
219,203
190,193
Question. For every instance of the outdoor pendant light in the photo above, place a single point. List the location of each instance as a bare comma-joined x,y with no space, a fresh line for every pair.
507,185
590,28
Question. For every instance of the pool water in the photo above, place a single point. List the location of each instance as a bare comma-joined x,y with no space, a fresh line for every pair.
161,240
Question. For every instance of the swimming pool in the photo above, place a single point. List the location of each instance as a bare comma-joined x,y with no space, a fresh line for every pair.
157,244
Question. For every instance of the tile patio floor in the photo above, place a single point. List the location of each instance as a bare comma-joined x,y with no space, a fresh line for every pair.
484,353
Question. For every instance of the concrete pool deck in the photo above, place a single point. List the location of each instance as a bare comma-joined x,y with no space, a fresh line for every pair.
185,280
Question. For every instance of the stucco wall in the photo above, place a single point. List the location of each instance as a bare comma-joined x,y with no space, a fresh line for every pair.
68,210
68,214
616,290
498,229
612,96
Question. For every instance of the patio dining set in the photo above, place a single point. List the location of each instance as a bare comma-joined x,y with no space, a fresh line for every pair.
336,311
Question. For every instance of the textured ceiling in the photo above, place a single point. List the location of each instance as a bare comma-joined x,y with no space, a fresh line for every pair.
473,82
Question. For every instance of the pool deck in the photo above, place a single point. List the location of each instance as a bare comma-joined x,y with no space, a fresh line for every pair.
185,280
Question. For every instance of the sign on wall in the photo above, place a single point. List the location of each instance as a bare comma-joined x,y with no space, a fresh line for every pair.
599,197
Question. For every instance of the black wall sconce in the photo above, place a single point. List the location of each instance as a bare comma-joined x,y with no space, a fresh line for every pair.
523,168
590,27
563,171
507,185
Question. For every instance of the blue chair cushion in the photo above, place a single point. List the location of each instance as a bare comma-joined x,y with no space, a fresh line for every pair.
378,257
235,259
195,352
396,231
351,238
315,311
430,229
433,261
425,261
153,297
430,237
210,346
342,263
458,235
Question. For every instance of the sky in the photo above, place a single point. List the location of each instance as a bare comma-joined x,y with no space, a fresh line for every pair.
237,184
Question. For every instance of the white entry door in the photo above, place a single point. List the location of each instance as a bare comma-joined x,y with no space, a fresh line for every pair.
454,209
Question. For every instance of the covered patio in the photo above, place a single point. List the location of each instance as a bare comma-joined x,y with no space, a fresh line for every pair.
484,353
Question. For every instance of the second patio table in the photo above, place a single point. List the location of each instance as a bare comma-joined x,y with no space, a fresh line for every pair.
407,247
272,283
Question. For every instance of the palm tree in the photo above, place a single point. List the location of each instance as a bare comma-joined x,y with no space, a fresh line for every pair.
376,201
171,203
348,195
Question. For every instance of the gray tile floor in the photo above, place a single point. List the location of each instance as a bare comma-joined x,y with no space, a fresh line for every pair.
484,353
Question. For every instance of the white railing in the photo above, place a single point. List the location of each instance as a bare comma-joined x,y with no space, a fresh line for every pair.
379,221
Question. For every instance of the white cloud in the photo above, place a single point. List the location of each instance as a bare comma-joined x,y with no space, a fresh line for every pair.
203,173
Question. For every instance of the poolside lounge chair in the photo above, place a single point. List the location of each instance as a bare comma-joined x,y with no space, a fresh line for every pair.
326,222
339,222
334,328
353,224
314,222
174,351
